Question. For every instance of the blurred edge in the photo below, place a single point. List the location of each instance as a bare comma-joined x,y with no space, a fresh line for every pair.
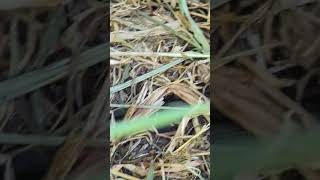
15,4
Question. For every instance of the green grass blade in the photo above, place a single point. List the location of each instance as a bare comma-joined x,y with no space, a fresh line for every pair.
187,39
159,70
150,175
198,33
157,120
31,81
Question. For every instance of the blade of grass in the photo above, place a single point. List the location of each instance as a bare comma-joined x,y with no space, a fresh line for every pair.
198,33
31,81
150,175
177,17
157,120
159,70
189,40
146,107
161,54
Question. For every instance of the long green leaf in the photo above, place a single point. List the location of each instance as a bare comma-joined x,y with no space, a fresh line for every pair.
31,81
198,33
157,120
159,70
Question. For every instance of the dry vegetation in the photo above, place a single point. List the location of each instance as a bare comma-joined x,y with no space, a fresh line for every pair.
52,69
140,45
266,76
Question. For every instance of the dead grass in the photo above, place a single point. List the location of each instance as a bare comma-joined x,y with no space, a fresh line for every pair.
52,89
178,152
267,52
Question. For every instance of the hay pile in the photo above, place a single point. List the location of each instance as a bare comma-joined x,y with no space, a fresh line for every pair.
140,44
